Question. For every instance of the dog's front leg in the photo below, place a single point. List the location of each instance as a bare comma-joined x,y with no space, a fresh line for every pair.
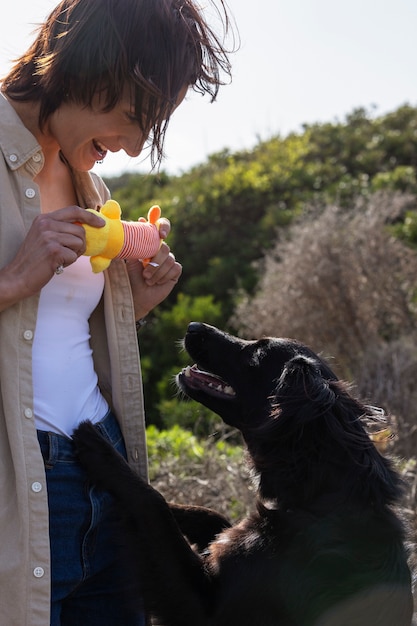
176,586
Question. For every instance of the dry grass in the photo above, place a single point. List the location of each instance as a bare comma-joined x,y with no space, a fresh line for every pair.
214,480
340,283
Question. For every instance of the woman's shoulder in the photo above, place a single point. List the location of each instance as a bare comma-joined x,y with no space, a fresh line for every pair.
101,187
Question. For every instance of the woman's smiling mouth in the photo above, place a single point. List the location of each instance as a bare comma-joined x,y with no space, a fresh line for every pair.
101,150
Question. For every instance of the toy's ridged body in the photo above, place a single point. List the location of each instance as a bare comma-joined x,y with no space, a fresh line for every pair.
121,239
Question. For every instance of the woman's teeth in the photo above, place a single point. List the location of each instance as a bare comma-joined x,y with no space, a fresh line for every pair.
100,149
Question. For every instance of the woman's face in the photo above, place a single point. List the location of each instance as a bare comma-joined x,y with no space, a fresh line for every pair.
86,134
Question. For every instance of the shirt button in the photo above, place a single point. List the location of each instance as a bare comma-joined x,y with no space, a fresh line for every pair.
38,572
28,335
28,413
13,158
30,193
36,157
36,487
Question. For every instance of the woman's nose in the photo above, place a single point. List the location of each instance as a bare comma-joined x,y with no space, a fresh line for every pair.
133,144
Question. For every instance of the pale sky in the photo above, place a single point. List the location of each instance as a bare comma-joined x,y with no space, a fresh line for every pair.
300,61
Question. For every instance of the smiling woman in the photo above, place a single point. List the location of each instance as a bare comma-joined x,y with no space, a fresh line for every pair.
100,53
101,75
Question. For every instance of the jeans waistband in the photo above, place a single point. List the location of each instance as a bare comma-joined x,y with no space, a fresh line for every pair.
55,447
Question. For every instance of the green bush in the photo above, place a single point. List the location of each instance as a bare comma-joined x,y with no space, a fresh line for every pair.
202,471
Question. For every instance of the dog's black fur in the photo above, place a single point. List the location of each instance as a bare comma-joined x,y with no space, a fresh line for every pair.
324,547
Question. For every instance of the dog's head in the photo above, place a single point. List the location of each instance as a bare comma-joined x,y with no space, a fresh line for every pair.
300,423
238,379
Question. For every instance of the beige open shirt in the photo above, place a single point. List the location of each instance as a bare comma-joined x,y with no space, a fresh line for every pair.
24,544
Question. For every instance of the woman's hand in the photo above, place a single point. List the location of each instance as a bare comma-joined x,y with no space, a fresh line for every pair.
54,239
152,284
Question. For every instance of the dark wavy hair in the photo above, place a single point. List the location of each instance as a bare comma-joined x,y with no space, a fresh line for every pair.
153,47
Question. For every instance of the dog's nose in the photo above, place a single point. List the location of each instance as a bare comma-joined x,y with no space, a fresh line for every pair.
195,327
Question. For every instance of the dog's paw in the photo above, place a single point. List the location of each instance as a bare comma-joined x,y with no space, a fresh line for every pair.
87,439
95,453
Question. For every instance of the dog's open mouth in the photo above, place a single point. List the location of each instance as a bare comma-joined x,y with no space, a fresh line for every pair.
213,385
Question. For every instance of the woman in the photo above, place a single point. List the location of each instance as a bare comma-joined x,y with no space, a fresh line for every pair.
102,75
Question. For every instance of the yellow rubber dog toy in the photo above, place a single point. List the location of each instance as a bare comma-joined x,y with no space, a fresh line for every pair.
121,239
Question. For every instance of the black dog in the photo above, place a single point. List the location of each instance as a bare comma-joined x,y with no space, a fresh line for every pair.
324,547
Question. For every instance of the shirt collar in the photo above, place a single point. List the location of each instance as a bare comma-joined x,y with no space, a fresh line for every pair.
18,145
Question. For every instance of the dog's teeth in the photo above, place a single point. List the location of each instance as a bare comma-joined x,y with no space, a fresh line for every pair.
201,378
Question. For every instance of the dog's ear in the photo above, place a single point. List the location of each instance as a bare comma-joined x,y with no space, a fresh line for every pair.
302,381
315,406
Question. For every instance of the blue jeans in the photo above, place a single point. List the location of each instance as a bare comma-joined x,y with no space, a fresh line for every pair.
92,579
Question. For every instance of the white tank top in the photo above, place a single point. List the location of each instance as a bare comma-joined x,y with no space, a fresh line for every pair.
64,380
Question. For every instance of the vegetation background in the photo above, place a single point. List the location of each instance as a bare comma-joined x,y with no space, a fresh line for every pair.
312,236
